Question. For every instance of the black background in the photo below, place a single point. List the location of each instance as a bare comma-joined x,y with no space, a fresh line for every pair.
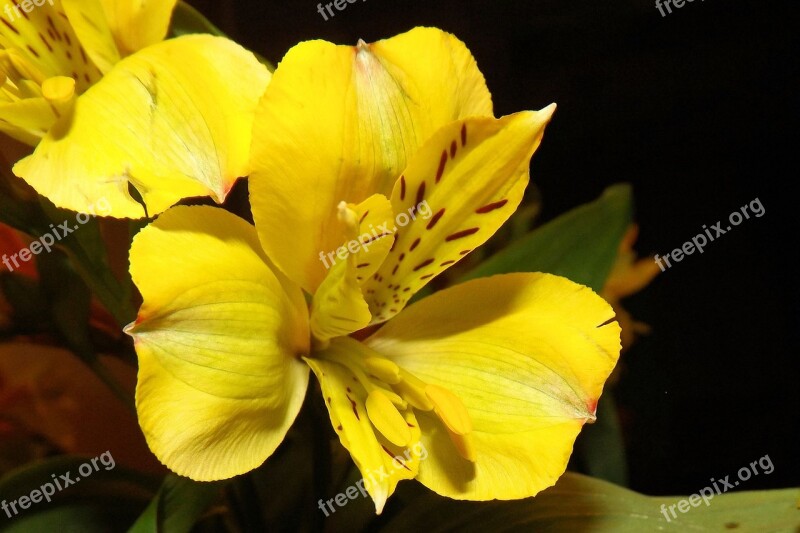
698,110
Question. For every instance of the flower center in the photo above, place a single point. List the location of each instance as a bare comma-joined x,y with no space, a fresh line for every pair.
391,389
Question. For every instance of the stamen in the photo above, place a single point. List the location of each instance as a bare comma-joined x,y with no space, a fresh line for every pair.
464,445
354,364
59,89
383,369
387,419
449,408
347,216
413,389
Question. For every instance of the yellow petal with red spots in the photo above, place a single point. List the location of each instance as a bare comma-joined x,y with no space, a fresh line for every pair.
460,187
359,410
339,124
338,307
37,47
114,29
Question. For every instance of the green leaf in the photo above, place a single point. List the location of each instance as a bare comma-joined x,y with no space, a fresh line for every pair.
69,300
69,309
84,244
179,504
86,249
600,448
580,503
187,20
100,501
580,245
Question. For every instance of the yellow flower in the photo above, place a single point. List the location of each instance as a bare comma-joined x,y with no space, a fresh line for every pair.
121,116
388,155
54,49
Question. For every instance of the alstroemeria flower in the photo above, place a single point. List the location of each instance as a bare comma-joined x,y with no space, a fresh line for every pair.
493,378
53,51
119,115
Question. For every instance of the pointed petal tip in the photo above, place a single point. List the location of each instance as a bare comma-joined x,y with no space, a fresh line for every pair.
131,329
591,414
545,115
128,330
379,504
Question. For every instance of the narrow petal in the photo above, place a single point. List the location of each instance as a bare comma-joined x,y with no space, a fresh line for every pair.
339,123
528,355
355,413
338,307
90,23
113,29
170,122
219,337
456,192
26,120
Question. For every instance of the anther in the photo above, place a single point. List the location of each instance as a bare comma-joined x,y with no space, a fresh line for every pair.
387,419
383,369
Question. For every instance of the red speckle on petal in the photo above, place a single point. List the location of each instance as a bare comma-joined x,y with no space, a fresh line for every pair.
435,218
491,207
442,163
461,234
423,264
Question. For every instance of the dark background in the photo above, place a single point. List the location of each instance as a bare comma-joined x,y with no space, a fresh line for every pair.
698,110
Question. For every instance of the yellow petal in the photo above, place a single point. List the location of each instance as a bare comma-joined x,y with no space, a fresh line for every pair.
372,452
89,21
338,307
528,355
172,121
339,123
113,29
219,337
456,192
27,120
